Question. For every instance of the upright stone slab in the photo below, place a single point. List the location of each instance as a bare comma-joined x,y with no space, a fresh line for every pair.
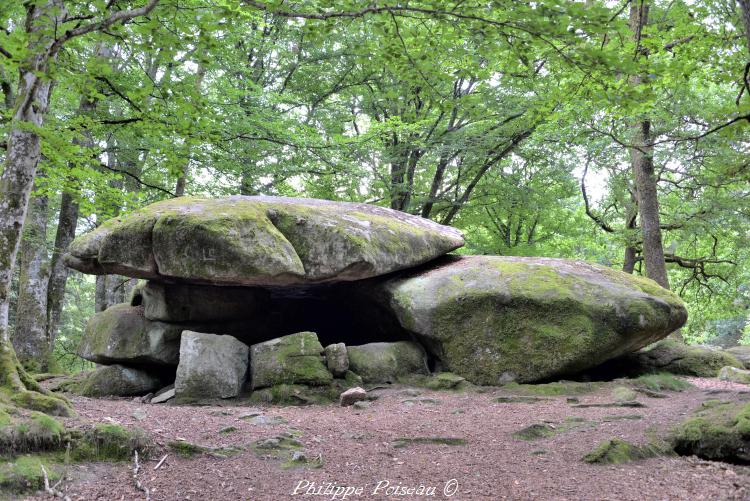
211,367
337,359
496,319
121,334
260,241
293,359
387,362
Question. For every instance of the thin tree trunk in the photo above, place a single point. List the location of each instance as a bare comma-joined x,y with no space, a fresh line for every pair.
631,252
100,294
745,8
66,229
437,182
642,163
30,333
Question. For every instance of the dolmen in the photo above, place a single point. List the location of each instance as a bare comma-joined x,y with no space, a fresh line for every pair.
289,299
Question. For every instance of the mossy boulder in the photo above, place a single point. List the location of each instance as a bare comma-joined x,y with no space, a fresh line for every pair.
717,431
211,367
387,362
741,353
337,359
735,375
121,334
119,380
260,241
497,319
293,359
677,358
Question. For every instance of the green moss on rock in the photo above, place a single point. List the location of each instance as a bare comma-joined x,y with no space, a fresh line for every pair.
676,358
387,362
616,451
295,394
716,431
293,359
498,319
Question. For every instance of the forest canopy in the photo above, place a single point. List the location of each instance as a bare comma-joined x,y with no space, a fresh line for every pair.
611,132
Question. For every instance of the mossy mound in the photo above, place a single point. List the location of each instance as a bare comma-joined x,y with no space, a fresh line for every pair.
538,431
554,389
407,441
24,473
29,431
188,450
616,451
111,442
662,381
446,381
717,431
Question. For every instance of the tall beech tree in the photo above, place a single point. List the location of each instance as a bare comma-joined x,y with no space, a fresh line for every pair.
47,28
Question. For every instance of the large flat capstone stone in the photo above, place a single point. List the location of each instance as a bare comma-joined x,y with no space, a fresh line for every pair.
242,240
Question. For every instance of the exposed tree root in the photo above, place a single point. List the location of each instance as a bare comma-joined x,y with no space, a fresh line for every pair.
19,388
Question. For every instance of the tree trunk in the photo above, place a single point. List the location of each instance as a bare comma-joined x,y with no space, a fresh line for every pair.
631,251
66,229
100,294
30,333
22,155
642,163
745,8
641,157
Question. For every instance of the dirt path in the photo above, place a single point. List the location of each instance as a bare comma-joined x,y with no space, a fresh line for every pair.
357,450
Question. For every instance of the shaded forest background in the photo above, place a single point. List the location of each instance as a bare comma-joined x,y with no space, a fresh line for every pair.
612,132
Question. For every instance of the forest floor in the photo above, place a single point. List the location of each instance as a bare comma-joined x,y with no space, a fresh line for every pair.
362,448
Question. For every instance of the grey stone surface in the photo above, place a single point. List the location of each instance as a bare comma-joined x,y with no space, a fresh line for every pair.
260,240
293,359
496,319
386,362
211,366
337,359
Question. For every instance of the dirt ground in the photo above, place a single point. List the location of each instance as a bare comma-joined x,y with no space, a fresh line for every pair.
357,449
